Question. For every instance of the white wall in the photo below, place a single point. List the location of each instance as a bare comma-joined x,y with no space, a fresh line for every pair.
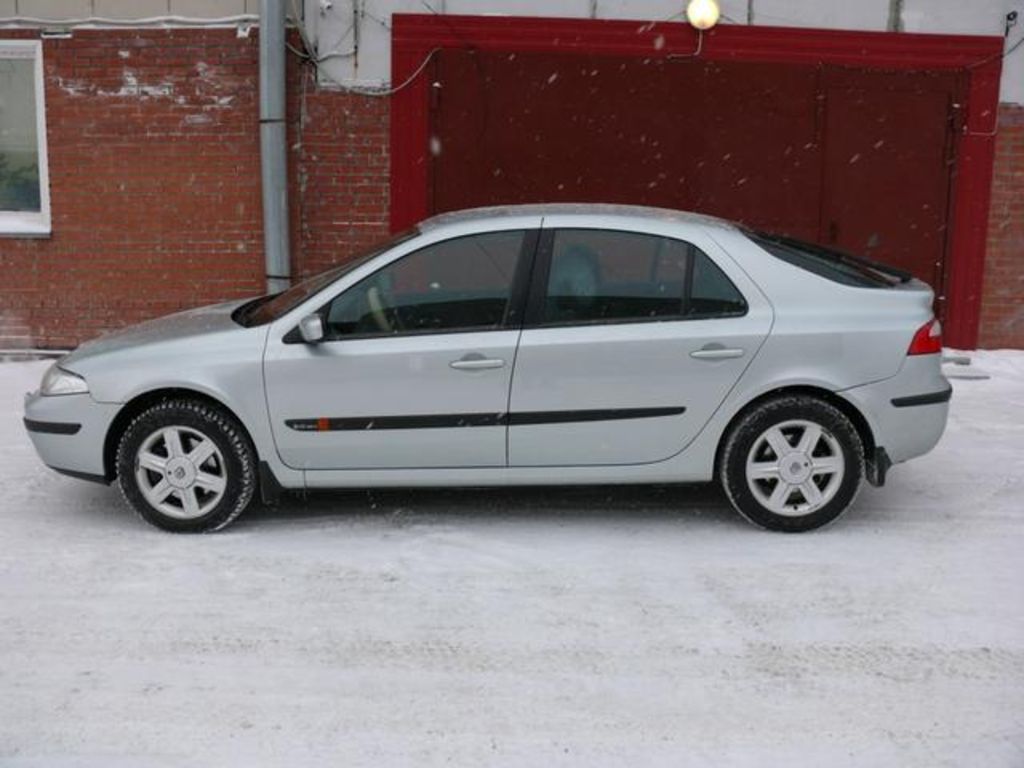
334,29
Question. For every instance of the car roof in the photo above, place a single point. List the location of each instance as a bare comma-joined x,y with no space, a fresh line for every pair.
604,210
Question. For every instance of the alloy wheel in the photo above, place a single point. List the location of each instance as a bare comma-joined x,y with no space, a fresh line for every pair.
180,472
795,467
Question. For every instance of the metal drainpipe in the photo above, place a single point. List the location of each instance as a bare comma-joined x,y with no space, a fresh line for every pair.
273,157
895,16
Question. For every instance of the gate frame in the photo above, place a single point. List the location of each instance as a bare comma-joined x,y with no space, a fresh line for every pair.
416,37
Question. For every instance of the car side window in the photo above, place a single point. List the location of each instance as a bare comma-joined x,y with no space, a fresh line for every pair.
712,294
459,284
606,276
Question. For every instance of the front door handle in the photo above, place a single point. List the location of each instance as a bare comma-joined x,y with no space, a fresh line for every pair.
476,362
717,352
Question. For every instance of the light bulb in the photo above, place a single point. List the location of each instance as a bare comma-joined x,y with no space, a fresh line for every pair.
703,14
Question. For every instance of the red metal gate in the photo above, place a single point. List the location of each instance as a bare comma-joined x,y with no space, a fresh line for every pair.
887,166
831,136
731,139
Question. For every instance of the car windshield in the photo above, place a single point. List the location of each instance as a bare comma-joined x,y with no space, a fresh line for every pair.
835,265
266,309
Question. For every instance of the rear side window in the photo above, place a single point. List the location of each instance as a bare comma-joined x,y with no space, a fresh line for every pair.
605,276
831,264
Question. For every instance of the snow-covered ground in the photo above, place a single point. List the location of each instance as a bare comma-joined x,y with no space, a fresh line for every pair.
625,627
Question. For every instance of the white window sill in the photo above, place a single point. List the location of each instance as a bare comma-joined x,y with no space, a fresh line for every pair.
23,228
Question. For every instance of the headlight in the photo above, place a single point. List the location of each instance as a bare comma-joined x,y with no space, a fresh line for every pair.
57,381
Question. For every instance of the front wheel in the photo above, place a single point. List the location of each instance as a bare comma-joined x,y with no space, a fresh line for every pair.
792,464
186,466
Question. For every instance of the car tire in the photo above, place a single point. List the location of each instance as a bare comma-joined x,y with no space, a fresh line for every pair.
186,466
792,464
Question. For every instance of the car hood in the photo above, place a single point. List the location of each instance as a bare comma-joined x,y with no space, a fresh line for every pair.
188,325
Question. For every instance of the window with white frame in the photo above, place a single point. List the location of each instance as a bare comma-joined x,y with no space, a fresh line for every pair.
24,186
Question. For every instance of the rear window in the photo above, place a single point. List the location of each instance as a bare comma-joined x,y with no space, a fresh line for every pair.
837,266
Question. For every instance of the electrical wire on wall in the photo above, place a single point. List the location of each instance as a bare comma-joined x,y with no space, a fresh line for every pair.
310,53
1011,22
311,56
694,54
367,91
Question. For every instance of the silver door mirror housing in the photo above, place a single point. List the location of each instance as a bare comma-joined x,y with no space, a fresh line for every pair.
311,329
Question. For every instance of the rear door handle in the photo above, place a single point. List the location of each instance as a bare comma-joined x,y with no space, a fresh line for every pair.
476,362
717,352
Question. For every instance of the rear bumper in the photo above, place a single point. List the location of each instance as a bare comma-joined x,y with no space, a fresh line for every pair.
929,398
69,431
907,413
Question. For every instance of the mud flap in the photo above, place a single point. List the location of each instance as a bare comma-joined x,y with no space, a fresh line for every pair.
877,467
270,488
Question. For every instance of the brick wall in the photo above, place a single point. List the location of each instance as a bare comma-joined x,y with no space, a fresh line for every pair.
154,176
1002,303
154,183
341,172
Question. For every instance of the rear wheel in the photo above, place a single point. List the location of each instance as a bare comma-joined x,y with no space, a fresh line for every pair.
792,464
186,466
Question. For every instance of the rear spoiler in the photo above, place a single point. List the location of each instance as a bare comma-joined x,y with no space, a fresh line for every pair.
834,254
900,274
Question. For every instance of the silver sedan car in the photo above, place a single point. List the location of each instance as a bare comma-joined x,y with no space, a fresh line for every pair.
541,345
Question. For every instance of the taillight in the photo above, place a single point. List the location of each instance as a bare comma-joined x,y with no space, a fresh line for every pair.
927,340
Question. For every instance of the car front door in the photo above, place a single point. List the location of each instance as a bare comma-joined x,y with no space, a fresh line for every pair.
415,366
631,341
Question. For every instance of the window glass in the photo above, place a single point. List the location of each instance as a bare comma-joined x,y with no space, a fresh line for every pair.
712,293
459,284
607,276
19,145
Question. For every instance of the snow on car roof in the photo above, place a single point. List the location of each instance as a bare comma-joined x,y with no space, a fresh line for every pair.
573,209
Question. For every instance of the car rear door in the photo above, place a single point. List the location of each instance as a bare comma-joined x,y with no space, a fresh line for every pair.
414,371
631,342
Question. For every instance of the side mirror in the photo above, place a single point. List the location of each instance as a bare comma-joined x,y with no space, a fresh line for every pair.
311,329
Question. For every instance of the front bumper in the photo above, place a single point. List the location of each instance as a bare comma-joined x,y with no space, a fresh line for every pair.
68,432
